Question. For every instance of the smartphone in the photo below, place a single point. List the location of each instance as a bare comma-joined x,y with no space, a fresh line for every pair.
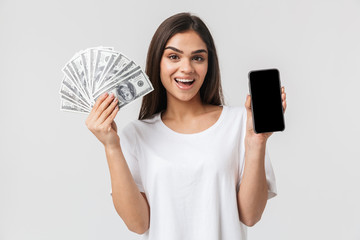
266,103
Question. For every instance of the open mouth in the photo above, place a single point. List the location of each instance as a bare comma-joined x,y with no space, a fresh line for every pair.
184,82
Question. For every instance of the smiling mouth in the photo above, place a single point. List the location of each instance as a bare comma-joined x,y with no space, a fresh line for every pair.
184,82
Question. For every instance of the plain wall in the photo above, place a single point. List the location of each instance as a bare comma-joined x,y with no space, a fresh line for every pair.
54,179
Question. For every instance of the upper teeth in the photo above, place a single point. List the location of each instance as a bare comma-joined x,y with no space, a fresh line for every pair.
184,80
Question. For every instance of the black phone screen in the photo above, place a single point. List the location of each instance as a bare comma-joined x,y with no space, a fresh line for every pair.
266,103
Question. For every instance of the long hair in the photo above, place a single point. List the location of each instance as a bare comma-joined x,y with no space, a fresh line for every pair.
210,91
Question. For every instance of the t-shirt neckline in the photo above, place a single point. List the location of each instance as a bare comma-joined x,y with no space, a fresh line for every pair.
209,129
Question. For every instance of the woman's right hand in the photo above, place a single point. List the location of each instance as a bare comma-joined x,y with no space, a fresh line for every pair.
101,120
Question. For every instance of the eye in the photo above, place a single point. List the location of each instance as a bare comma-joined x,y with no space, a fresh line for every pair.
173,57
198,58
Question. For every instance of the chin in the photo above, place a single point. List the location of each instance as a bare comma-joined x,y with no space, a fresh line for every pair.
187,97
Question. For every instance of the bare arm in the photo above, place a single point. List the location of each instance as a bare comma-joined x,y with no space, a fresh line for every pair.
131,205
252,195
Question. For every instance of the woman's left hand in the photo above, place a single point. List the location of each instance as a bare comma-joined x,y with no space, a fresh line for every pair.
258,138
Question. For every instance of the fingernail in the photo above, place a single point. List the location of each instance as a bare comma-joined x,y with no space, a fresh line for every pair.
105,94
115,100
111,94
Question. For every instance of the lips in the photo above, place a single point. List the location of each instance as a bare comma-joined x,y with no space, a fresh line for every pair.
184,83
183,80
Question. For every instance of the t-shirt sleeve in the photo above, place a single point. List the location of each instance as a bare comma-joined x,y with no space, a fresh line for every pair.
128,145
270,177
269,172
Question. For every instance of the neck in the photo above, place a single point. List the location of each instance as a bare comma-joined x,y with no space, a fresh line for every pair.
181,110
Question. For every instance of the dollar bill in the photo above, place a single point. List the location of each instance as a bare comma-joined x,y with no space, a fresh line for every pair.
102,58
120,69
115,79
70,74
75,102
79,70
92,61
68,90
115,65
70,107
85,58
131,88
127,71
93,71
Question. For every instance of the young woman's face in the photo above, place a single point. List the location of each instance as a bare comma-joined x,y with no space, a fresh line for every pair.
184,65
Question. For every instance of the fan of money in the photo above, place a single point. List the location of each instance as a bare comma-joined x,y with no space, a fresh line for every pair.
97,70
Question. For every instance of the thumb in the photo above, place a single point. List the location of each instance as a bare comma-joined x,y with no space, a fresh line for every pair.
248,103
113,125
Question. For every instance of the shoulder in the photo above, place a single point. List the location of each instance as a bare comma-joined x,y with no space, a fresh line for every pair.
235,116
135,130
235,111
137,126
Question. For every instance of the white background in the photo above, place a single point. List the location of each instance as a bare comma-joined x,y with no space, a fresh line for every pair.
54,180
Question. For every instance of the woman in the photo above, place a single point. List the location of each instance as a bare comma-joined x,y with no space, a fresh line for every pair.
176,172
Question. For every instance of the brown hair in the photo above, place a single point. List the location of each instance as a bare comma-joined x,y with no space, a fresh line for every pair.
210,91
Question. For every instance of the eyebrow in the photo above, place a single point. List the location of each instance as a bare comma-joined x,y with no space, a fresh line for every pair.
179,51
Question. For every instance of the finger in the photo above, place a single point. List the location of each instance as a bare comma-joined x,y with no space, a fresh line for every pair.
283,96
107,111
283,89
284,106
95,107
103,105
98,102
248,102
111,117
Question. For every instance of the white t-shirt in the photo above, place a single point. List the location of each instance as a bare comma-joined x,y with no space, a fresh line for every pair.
191,180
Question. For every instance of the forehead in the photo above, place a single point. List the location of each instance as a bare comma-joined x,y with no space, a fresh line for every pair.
189,40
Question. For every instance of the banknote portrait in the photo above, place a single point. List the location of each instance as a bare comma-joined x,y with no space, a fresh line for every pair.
126,91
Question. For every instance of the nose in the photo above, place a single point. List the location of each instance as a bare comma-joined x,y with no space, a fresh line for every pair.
186,66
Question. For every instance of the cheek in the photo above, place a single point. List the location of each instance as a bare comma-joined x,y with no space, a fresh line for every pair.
202,70
166,71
